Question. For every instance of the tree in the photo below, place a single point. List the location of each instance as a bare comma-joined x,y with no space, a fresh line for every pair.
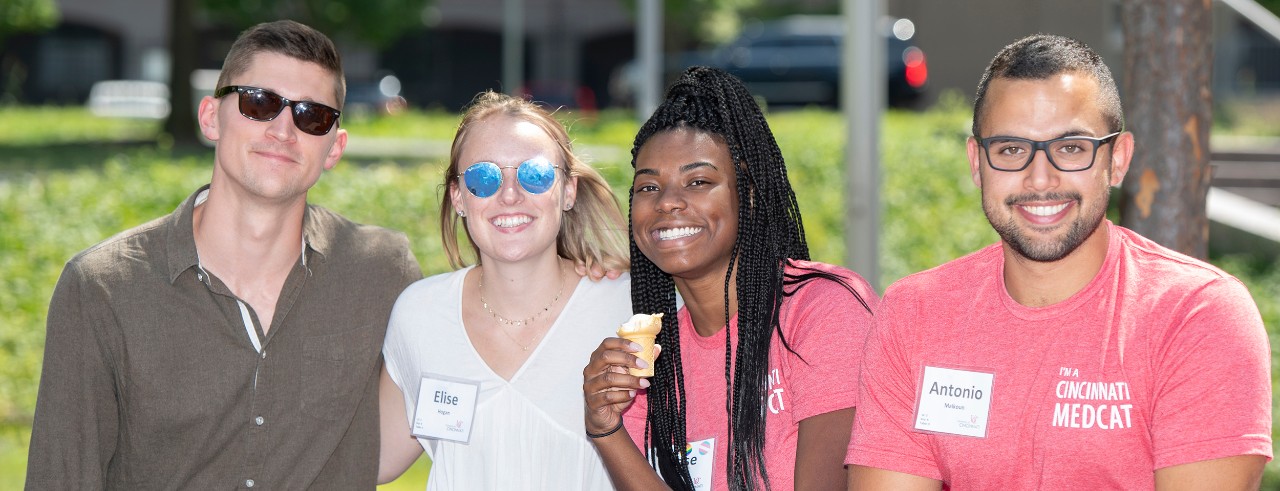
181,124
376,23
1168,58
695,22
26,16
1272,5
21,16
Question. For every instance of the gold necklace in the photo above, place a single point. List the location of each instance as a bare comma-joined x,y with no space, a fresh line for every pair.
522,322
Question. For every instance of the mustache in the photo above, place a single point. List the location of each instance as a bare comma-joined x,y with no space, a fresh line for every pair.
275,149
1018,199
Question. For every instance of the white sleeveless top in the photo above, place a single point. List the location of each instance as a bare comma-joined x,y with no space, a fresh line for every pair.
528,433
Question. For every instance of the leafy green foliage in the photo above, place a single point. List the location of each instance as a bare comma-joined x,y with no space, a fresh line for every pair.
14,440
1272,5
45,126
46,218
378,22
690,23
26,15
20,16
1246,117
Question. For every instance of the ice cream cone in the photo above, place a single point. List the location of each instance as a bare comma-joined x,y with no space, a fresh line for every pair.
642,329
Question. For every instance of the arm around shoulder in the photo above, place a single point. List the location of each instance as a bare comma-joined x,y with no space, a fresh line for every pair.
1241,472
820,450
399,448
870,478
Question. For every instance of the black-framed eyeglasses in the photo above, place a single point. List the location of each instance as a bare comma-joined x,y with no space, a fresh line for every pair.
1067,154
258,104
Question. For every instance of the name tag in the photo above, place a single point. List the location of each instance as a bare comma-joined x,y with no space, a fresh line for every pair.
952,401
446,408
702,457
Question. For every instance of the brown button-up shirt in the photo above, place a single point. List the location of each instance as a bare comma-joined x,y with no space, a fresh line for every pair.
151,381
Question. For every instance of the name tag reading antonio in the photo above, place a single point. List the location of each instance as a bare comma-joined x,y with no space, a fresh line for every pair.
953,401
446,408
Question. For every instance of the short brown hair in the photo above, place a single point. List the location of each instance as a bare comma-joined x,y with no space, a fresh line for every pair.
288,38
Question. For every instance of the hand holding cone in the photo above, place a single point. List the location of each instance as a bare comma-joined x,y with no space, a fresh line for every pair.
642,329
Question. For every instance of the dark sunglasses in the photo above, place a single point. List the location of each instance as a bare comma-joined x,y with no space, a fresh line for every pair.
484,179
260,104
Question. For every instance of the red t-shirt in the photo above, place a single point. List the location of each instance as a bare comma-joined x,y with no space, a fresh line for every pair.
1160,360
825,326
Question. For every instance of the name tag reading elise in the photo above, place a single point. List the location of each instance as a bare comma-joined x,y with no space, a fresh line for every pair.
954,401
701,455
446,408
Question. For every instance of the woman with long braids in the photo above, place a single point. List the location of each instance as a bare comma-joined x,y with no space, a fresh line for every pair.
756,383
479,359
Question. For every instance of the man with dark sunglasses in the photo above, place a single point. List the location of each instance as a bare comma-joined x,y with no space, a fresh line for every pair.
235,342
1073,353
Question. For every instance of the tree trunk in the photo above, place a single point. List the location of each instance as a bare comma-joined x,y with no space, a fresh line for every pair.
1168,57
181,125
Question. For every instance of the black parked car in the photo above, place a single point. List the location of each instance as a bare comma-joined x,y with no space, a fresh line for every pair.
375,95
796,61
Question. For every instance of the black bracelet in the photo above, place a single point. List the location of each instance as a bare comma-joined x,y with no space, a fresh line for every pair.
607,433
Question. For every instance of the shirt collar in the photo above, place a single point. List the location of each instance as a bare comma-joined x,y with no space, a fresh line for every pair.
315,234
181,241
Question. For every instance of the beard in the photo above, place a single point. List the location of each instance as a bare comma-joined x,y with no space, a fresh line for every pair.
1090,216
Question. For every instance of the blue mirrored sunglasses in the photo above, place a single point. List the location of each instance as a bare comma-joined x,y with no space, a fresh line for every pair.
484,179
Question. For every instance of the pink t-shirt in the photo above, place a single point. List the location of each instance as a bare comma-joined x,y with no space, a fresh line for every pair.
1160,360
825,326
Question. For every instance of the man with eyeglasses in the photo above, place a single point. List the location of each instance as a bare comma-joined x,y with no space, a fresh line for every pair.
235,342
1074,353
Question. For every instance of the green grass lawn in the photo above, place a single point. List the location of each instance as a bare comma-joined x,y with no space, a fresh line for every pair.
414,479
13,455
68,180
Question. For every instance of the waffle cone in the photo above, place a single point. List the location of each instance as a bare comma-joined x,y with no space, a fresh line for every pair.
643,330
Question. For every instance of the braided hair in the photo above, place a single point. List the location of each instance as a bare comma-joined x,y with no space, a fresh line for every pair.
770,233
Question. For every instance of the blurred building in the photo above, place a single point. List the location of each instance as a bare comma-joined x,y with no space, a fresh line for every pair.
572,47
960,38
96,40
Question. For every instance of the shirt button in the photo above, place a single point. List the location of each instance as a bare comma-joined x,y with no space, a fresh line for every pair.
248,483
258,420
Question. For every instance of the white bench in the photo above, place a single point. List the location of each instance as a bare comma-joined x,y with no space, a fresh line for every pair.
129,99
